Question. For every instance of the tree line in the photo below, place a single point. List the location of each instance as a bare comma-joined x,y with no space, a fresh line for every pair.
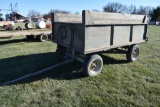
132,9
34,13
113,7
154,13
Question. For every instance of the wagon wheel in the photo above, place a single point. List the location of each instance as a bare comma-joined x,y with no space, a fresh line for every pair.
7,27
19,28
133,53
10,28
4,27
92,66
30,37
43,37
61,52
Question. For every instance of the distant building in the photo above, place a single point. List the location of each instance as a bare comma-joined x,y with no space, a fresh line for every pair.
158,21
155,22
39,18
15,16
1,19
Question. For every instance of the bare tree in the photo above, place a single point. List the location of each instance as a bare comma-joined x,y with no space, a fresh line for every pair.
77,12
149,10
95,10
115,8
33,13
48,15
142,10
132,9
145,10
59,11
1,19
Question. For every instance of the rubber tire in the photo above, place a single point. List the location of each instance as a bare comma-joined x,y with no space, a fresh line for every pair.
10,28
43,38
30,37
18,28
130,51
61,53
4,27
87,63
52,37
7,28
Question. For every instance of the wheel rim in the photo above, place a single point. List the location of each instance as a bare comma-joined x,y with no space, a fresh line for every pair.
44,38
135,53
95,66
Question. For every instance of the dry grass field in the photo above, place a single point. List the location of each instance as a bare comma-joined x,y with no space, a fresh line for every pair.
120,84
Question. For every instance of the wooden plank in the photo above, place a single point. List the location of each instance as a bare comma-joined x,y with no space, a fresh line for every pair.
114,18
92,18
100,31
87,18
72,18
24,32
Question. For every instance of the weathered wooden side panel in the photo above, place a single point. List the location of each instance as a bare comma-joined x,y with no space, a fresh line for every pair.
62,34
91,18
69,35
138,33
78,38
117,18
121,35
106,37
98,31
70,18
97,38
68,31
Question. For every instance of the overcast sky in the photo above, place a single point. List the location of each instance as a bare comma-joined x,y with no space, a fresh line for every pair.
43,6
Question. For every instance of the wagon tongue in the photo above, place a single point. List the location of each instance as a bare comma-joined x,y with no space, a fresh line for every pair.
39,72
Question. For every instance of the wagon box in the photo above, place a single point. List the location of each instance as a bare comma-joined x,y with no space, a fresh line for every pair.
5,23
83,36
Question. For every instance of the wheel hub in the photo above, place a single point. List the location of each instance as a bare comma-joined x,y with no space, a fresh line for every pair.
135,53
44,38
93,66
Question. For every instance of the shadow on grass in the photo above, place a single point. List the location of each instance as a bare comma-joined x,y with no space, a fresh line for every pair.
10,40
15,67
109,60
